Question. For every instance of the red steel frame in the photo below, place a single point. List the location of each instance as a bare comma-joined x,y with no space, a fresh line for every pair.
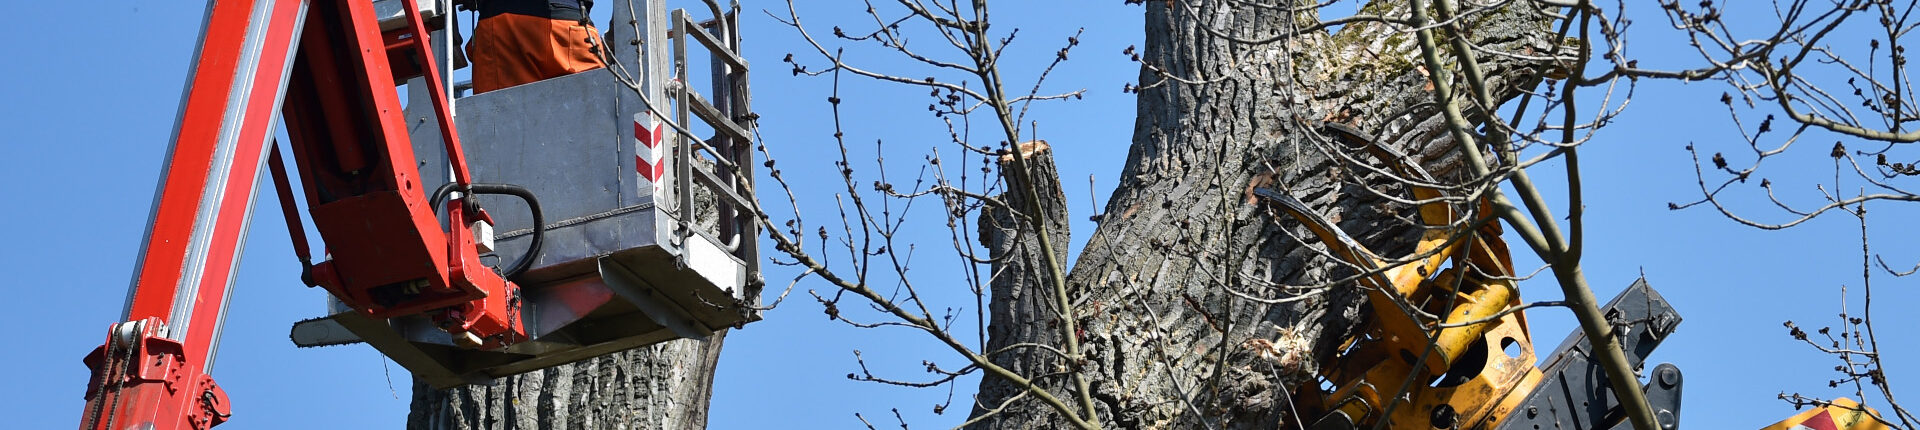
331,66
390,257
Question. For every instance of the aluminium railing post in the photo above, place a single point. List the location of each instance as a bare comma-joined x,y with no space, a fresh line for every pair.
683,148
742,112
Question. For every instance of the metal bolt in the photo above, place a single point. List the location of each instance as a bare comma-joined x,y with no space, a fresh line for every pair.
1533,411
1667,420
1669,377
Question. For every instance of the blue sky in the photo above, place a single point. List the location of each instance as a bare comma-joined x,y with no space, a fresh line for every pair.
87,105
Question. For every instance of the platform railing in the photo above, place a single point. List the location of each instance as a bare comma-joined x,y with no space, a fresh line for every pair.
722,164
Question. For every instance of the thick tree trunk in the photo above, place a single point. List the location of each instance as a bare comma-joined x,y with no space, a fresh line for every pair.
664,386
1163,334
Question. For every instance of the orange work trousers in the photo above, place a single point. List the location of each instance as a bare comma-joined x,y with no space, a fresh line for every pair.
509,49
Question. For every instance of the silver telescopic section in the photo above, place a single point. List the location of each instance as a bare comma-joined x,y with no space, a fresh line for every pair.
446,57
227,145
246,223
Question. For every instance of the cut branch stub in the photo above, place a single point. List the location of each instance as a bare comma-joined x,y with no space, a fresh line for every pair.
1019,287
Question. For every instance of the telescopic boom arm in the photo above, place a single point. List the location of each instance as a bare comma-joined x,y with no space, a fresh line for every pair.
335,71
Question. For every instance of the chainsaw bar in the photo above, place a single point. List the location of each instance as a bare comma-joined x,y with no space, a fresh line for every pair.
322,331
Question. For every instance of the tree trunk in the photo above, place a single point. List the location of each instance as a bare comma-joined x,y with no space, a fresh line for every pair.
662,386
1163,334
1019,286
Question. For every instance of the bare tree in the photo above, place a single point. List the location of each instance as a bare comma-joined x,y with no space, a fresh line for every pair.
1194,304
1827,70
1153,325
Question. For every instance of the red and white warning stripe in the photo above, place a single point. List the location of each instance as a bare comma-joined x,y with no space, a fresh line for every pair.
649,159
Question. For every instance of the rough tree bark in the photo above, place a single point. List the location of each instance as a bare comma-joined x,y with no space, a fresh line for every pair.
1150,288
663,386
1019,285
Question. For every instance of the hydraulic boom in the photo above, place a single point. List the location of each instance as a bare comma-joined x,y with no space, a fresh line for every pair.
336,73
395,200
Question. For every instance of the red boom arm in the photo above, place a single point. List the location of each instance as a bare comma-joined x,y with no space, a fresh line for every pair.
336,72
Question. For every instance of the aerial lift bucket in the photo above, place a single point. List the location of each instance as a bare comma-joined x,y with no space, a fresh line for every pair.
649,232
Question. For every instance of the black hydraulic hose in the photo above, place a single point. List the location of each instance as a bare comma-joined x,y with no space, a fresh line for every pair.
533,204
440,195
539,223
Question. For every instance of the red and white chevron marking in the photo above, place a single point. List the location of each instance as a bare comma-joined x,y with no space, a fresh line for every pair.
649,160
1820,421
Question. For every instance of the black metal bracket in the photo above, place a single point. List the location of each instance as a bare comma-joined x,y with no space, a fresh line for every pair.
1574,393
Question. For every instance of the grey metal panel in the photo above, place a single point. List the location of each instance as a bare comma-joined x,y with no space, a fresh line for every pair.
642,49
691,293
571,250
650,299
561,139
555,137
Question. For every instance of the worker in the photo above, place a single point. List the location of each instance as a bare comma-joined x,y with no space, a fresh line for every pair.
523,41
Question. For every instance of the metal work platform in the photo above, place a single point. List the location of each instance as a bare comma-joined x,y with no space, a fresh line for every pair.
649,232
